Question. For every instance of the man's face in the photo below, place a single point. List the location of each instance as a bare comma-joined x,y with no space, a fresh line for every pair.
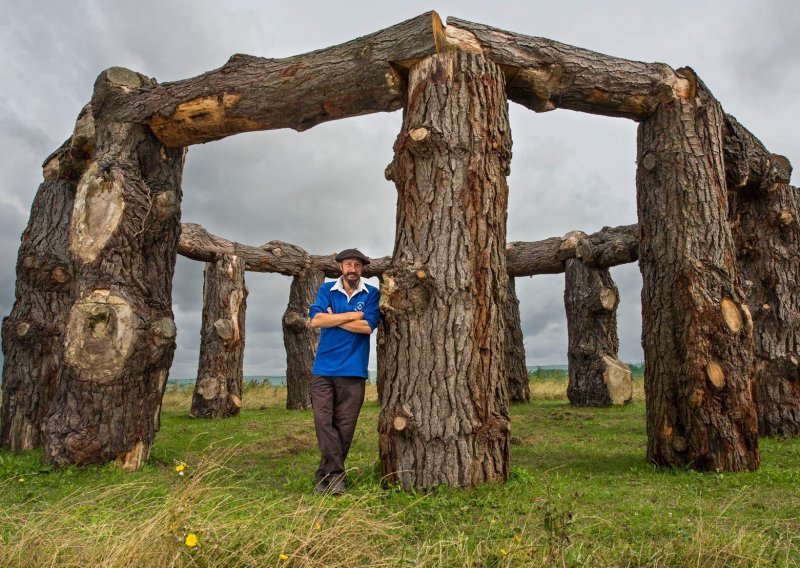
351,270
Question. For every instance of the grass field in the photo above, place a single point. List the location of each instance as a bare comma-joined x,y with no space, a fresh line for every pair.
580,494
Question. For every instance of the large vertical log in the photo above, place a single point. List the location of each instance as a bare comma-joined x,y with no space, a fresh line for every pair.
766,226
596,375
445,405
518,387
33,333
300,339
697,329
220,372
120,334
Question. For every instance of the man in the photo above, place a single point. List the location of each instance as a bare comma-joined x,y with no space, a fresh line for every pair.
347,312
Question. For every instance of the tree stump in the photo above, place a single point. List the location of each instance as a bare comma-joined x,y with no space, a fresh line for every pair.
120,333
218,391
596,375
518,387
697,329
444,418
300,339
766,226
33,333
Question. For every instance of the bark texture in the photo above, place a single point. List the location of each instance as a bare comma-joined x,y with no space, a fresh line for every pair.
300,339
444,418
610,246
765,226
544,74
249,93
218,391
120,333
33,332
518,387
596,375
697,329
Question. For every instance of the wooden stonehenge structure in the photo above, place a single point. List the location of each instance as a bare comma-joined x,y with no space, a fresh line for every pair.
89,342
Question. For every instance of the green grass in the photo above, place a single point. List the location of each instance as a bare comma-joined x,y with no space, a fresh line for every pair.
580,494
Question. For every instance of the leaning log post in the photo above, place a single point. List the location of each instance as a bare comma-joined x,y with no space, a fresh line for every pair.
518,387
300,339
120,333
766,226
697,329
220,373
444,418
33,333
596,375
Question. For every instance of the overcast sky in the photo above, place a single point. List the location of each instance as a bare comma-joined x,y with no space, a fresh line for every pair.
323,189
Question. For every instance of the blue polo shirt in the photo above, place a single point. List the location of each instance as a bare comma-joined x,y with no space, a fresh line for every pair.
342,353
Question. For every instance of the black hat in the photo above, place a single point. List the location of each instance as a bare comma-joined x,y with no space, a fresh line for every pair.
352,253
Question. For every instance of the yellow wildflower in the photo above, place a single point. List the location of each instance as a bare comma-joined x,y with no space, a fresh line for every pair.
317,526
503,551
191,540
517,538
494,521
21,480
282,556
180,467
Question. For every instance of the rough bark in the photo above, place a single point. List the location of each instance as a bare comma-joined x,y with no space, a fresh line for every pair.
749,166
596,375
249,93
697,329
444,418
33,332
300,339
765,226
220,372
518,387
544,74
120,333
610,246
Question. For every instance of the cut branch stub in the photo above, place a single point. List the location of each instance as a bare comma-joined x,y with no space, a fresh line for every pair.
99,206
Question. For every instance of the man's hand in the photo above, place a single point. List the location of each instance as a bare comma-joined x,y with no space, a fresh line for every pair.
335,320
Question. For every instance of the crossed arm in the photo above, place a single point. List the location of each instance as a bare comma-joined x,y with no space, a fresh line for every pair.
351,321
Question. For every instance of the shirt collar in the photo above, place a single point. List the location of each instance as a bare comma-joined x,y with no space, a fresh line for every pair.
360,288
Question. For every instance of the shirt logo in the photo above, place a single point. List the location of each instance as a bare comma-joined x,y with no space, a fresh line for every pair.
359,306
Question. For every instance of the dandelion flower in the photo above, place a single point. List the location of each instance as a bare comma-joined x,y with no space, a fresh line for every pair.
282,556
504,552
180,467
191,540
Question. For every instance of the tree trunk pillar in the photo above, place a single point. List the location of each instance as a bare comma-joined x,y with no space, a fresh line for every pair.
444,417
596,375
33,333
300,339
697,329
518,387
120,332
218,391
766,225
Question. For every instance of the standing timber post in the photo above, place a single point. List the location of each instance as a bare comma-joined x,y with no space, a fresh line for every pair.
766,225
596,375
300,339
518,388
34,332
697,329
218,391
444,416
120,333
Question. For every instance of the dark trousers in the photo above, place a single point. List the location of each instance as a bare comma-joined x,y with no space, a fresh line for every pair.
336,402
